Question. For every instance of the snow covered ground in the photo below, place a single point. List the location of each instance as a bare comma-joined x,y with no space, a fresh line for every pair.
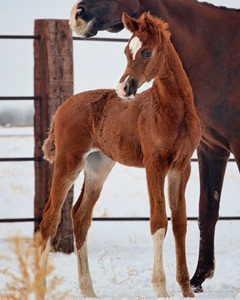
120,253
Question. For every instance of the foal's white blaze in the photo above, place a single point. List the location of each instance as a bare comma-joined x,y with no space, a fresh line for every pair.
85,281
158,277
134,45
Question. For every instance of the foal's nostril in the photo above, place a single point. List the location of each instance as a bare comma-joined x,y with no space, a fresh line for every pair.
126,88
130,87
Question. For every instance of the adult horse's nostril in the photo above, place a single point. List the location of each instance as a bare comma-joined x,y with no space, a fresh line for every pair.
79,5
80,12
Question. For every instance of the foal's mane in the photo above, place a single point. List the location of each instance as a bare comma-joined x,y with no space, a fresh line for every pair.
147,20
156,20
150,27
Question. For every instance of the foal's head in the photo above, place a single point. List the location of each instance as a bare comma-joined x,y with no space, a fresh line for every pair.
145,52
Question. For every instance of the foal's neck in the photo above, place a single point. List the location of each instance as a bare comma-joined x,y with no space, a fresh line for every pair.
173,78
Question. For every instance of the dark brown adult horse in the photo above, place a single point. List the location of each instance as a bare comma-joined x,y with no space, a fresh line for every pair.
158,130
207,39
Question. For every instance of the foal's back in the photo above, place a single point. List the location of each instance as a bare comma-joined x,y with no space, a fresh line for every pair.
124,130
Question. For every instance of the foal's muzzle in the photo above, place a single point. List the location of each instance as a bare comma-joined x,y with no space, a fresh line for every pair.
127,89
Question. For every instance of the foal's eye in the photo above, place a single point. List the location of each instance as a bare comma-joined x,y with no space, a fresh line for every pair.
146,54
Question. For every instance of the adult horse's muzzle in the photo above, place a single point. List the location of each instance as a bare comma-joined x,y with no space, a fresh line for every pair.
87,22
127,89
79,25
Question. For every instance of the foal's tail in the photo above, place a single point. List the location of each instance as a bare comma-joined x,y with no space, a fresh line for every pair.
49,145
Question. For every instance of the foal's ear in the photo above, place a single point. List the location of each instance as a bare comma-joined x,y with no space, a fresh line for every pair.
129,23
149,21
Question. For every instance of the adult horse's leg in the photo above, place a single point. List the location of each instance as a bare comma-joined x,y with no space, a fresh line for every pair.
66,169
96,170
177,182
212,166
158,224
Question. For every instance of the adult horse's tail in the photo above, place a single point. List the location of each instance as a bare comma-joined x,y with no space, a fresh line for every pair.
49,145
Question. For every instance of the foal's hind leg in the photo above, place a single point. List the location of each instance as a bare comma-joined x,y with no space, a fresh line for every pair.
96,170
176,189
66,170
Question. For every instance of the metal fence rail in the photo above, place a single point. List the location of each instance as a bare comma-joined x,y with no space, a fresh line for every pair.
115,219
7,98
20,37
18,159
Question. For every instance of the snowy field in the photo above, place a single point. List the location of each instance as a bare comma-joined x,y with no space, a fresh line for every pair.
120,253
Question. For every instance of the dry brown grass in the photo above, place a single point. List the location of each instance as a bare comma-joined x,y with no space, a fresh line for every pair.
25,282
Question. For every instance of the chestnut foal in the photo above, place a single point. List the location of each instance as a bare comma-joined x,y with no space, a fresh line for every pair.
157,129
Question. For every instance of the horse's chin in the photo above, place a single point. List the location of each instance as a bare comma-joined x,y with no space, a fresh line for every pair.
126,97
82,28
90,29
115,28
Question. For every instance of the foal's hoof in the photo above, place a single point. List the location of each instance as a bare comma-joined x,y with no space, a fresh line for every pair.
197,289
37,239
91,295
187,291
87,291
161,292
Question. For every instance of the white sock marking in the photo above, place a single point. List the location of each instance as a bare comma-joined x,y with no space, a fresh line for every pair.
134,45
43,266
158,278
85,281
44,255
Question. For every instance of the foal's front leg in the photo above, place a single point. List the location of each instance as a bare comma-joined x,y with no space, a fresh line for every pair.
158,224
176,190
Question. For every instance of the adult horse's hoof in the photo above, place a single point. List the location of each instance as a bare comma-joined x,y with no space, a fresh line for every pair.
197,289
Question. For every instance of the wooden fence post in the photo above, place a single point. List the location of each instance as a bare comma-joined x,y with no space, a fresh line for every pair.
53,81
